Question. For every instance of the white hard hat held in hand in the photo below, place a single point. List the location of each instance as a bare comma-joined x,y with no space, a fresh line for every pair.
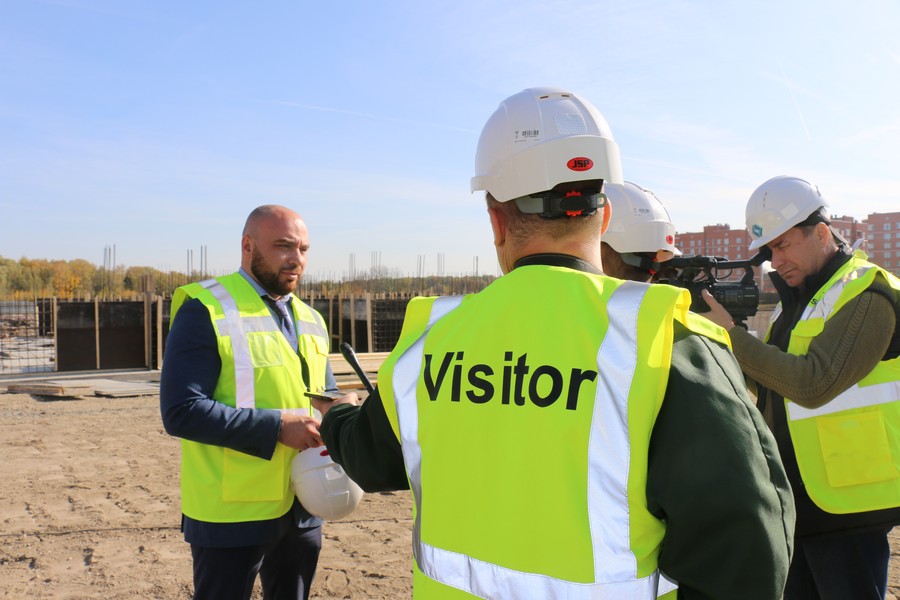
322,486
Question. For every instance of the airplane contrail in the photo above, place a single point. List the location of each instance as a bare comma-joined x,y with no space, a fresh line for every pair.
790,89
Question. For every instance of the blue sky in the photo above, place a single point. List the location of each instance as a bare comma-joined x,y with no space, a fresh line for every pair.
155,126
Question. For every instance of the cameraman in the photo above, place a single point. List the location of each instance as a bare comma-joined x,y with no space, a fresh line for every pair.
826,380
640,235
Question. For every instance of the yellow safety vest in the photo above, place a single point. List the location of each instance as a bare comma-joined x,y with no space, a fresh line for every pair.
848,449
260,369
509,407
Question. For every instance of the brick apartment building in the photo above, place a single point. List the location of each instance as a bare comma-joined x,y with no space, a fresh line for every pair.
878,235
883,240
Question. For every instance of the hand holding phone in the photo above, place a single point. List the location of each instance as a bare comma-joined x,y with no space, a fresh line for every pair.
326,396
323,401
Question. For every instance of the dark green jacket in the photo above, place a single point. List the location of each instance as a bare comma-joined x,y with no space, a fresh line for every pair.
714,476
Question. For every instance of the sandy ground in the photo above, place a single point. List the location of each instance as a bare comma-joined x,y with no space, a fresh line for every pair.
89,509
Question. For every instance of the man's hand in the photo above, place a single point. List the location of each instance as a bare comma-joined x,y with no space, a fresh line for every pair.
323,406
299,431
717,313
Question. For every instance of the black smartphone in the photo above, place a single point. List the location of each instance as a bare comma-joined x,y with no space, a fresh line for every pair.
326,396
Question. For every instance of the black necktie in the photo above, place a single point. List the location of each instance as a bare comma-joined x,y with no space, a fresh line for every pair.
286,321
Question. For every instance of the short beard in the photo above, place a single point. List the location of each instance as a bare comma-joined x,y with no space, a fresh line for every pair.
269,279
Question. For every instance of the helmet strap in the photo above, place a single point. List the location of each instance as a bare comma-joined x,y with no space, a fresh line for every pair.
644,263
554,205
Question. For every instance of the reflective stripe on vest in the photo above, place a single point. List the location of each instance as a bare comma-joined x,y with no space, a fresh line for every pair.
609,454
235,327
824,306
259,370
854,396
846,450
666,586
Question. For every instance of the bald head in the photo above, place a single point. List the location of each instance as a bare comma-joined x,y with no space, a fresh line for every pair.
273,248
263,213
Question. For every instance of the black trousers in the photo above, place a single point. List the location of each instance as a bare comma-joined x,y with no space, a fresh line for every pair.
843,567
285,566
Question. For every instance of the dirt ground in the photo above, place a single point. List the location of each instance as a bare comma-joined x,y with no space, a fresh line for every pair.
89,508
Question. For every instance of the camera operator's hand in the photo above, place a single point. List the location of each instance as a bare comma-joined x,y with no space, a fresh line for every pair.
717,313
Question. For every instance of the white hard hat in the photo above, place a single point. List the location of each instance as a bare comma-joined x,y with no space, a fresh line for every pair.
779,204
542,137
639,222
322,486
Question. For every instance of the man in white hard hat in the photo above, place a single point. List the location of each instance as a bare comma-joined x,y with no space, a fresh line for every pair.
640,236
241,353
566,434
827,379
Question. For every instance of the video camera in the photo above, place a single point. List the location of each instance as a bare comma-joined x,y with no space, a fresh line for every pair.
697,273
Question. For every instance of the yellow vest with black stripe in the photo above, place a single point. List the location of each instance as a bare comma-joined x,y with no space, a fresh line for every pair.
259,370
534,401
848,449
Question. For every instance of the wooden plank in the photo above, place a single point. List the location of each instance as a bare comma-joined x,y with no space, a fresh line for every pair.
370,334
369,361
352,322
124,389
345,375
345,382
57,390
77,388
159,331
148,330
97,330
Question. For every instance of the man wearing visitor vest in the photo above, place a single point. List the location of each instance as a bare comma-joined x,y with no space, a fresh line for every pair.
827,379
241,353
566,434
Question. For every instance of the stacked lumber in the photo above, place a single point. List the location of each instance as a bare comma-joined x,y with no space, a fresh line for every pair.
345,375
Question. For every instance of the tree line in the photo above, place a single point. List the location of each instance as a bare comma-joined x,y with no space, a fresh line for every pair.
80,279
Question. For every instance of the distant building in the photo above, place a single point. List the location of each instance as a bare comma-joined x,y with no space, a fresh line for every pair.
878,235
850,229
883,240
715,240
